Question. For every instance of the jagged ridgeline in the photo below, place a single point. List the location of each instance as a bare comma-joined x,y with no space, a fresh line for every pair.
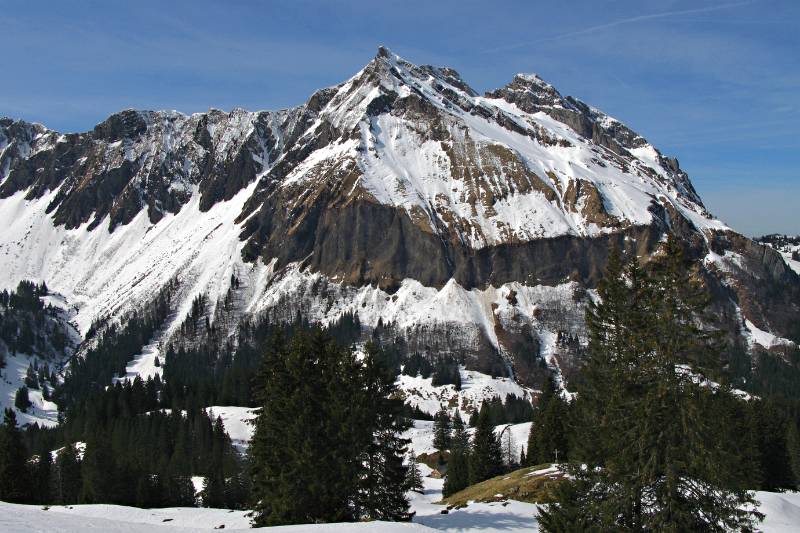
459,228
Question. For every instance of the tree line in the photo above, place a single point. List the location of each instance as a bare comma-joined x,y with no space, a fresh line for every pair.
327,444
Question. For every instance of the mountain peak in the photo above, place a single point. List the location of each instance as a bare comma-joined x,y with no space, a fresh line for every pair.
532,78
383,52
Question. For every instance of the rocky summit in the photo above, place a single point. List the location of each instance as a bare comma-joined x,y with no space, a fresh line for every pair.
448,222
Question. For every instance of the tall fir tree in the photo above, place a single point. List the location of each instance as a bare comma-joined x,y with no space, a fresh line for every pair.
442,430
14,475
486,456
22,400
382,489
548,441
98,470
327,444
43,479
654,462
457,477
68,481
793,449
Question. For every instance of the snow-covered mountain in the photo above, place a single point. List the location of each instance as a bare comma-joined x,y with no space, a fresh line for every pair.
463,224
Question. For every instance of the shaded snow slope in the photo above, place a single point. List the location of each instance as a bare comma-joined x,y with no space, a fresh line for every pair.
12,377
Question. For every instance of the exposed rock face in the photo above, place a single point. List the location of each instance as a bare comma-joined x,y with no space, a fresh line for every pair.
402,175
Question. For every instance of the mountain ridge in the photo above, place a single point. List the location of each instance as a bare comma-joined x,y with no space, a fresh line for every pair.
475,226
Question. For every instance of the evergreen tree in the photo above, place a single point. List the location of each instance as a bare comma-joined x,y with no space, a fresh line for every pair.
68,476
294,449
656,462
382,487
326,445
457,477
213,494
441,430
14,477
42,479
460,437
547,440
793,449
97,470
486,457
771,446
414,479
21,399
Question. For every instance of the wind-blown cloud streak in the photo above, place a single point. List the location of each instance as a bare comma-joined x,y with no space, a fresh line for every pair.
620,22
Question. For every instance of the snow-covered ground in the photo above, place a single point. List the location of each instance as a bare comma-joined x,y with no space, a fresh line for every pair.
782,516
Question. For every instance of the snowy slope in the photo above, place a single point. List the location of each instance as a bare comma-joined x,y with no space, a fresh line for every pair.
782,512
494,171
494,202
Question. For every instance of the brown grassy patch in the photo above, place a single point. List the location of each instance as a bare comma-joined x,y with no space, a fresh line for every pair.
520,485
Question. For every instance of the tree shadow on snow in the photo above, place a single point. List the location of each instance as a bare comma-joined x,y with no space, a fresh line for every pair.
464,518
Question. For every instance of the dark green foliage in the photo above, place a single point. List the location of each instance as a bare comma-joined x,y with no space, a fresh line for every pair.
326,445
512,410
486,457
460,438
417,365
220,374
793,451
42,479
414,477
133,458
97,468
457,477
224,470
656,460
770,431
27,325
441,430
14,486
447,372
548,439
776,377
21,399
415,413
68,478
138,455
382,485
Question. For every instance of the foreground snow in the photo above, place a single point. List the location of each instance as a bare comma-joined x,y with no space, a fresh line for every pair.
782,512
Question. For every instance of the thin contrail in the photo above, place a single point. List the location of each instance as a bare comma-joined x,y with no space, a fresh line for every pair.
620,22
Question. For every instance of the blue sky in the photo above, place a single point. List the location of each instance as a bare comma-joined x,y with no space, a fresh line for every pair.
715,83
